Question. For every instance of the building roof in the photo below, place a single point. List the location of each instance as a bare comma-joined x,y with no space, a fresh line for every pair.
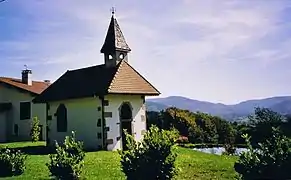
36,88
114,39
97,81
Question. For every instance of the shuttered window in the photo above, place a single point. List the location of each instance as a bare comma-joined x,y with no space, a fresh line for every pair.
25,110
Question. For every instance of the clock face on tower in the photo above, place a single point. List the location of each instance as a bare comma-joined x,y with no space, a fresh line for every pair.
121,56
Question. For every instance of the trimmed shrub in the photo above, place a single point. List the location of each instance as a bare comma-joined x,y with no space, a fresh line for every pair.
12,162
35,130
152,158
68,161
271,160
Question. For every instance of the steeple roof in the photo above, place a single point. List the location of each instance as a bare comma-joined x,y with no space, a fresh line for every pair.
114,39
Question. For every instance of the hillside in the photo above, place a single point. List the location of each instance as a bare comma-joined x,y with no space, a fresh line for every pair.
281,104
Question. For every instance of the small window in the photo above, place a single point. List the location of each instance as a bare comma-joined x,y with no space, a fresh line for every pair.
110,57
107,114
121,56
143,118
25,110
99,123
99,136
15,129
62,118
49,117
106,103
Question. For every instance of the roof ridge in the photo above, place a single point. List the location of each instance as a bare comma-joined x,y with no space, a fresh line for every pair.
13,78
84,68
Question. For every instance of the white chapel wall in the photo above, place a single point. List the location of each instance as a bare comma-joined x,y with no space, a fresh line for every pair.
138,111
82,117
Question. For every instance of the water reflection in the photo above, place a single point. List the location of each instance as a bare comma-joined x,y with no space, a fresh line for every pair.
219,150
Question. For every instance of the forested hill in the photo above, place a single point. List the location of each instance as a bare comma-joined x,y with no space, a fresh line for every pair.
281,104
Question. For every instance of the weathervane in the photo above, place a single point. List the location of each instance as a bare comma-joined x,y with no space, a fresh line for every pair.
113,10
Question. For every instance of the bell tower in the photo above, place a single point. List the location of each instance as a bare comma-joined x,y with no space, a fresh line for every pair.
115,48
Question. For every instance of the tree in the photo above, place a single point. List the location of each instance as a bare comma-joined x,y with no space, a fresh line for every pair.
225,131
152,158
271,160
35,130
204,121
262,121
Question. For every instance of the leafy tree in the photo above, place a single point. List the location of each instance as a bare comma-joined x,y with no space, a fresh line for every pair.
68,161
240,130
271,160
196,135
35,130
286,126
262,121
179,119
152,158
205,122
225,131
154,118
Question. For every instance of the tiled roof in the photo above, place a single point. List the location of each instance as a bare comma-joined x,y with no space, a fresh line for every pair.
97,81
128,80
37,87
114,39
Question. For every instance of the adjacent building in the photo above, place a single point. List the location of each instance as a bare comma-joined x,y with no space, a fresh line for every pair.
17,109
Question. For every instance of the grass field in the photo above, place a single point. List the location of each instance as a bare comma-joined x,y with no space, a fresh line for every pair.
105,165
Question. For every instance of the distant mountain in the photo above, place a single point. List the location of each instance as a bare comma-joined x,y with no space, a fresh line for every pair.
153,106
280,104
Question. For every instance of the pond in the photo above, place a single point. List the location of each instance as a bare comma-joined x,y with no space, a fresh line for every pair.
218,150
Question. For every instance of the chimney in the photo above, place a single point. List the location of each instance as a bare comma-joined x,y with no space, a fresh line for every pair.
27,77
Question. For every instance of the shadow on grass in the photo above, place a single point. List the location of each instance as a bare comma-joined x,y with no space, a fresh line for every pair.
35,150
43,150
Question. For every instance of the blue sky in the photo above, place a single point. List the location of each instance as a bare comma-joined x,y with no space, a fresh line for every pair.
212,50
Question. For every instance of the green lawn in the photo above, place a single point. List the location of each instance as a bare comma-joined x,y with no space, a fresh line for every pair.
105,165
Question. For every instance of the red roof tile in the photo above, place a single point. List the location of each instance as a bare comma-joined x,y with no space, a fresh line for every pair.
37,87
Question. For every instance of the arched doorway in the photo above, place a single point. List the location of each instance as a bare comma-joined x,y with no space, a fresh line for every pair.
125,116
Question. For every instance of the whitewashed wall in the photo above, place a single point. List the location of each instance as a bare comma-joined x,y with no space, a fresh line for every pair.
115,101
82,117
15,97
